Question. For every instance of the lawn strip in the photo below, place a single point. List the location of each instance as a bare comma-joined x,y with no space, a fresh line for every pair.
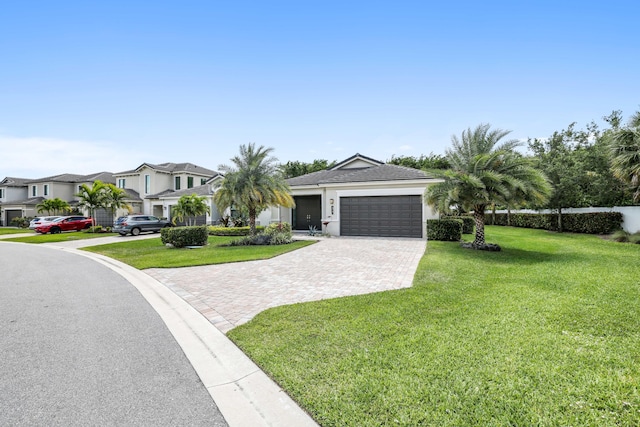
151,253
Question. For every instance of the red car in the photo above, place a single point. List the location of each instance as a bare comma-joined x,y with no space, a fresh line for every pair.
65,223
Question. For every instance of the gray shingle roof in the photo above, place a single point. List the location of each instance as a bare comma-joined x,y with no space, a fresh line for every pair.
33,201
71,177
174,168
14,182
384,172
200,190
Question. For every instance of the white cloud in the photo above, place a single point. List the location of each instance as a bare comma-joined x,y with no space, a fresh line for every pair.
36,157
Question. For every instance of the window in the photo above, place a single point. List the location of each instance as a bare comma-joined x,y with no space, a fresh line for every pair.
122,183
46,189
34,190
177,183
1,193
189,182
147,184
203,181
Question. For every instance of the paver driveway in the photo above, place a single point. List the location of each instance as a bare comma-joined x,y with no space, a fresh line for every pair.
231,294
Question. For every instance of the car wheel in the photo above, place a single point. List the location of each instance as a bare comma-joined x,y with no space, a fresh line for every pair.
135,231
55,230
87,226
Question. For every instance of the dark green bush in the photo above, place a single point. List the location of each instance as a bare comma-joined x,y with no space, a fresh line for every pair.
218,230
444,229
588,223
180,237
468,223
21,222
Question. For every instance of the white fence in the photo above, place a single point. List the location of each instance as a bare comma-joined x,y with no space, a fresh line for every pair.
630,214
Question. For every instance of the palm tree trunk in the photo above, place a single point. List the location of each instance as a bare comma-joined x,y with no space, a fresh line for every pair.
252,221
478,217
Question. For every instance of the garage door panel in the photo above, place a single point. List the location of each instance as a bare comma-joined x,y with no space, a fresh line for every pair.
383,216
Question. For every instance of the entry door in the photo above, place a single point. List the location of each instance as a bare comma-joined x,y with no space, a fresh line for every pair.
308,212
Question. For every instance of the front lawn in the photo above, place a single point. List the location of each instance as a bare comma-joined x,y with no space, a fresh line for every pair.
544,333
150,253
65,236
9,230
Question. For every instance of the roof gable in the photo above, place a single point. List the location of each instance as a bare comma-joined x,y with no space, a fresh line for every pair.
357,161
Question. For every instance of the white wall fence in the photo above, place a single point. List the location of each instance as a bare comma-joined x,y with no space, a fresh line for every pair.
630,214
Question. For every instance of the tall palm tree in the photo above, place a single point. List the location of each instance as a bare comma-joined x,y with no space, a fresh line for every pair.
190,207
92,197
485,171
54,206
115,198
255,183
624,146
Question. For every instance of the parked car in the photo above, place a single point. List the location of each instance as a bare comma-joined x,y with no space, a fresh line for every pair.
136,224
65,223
35,222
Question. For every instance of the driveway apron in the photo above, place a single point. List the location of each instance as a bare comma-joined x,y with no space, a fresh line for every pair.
231,294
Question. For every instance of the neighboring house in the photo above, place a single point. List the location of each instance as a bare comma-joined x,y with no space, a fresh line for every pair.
12,190
148,183
360,196
35,191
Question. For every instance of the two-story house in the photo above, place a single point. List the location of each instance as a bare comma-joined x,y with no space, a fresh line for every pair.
12,190
153,188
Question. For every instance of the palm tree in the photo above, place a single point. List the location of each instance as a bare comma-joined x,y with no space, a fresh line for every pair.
190,207
624,146
483,172
56,206
255,183
92,197
115,198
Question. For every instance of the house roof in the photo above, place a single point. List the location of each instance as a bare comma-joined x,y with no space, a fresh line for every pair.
132,195
354,158
172,168
27,202
381,172
14,182
70,177
200,190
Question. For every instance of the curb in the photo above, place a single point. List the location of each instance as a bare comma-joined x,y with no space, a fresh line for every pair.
244,394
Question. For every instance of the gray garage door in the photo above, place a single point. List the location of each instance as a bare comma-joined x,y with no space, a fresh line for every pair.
10,214
383,216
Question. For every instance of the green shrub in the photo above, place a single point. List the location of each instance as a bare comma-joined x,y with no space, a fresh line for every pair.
588,223
278,227
21,222
278,238
624,237
444,229
180,237
219,230
468,223
94,229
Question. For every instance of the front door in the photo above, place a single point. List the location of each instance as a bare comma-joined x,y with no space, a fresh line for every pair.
307,213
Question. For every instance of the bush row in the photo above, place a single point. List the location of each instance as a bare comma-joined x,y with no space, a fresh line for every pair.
179,237
588,223
444,229
220,230
468,223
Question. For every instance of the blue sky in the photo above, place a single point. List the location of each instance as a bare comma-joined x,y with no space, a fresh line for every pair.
92,86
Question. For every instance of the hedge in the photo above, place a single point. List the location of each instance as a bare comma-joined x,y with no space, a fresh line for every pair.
444,229
216,230
468,223
180,237
588,223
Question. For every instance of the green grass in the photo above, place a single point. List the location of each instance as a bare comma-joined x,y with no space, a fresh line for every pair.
150,253
61,237
8,230
544,333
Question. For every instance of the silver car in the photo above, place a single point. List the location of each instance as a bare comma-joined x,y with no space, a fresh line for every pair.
39,220
136,224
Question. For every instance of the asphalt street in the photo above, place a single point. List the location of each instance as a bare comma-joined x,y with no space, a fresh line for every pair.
80,346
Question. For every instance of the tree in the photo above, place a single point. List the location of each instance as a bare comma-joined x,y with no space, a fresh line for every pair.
53,206
432,161
295,168
190,207
255,183
624,149
115,198
482,173
92,197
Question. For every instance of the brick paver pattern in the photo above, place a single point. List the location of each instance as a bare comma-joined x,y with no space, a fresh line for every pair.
231,294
